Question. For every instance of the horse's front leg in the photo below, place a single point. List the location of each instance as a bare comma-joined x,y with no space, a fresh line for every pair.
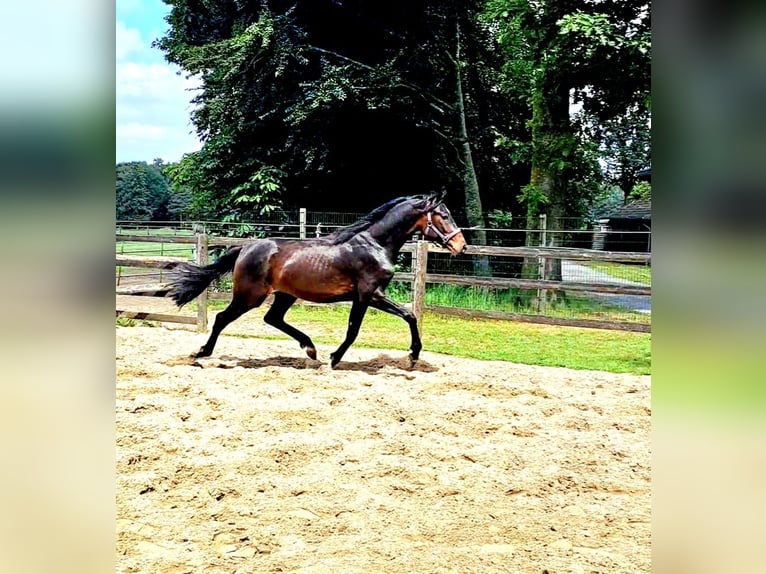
358,309
383,303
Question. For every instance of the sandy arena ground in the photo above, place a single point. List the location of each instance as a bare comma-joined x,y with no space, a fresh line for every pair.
258,459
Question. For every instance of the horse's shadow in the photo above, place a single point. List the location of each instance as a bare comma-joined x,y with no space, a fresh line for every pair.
375,365
229,361
383,361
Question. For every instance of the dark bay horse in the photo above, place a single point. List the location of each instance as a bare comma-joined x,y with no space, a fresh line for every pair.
355,263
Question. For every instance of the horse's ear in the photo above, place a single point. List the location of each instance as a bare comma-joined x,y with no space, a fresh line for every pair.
435,199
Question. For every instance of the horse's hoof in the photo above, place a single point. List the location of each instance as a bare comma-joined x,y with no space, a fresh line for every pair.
201,353
413,359
311,352
333,361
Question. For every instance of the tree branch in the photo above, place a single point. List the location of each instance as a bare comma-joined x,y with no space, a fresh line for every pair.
426,95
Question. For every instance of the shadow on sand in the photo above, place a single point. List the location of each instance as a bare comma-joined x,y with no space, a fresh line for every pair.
370,366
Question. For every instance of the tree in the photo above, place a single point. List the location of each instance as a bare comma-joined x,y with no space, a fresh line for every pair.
178,204
181,197
626,147
348,102
559,53
343,104
142,191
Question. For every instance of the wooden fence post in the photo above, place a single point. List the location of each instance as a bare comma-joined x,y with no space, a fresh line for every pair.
542,294
201,260
302,223
419,281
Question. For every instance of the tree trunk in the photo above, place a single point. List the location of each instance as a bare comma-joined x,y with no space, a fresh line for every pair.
473,207
550,126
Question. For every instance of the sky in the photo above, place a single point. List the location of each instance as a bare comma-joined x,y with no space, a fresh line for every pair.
153,100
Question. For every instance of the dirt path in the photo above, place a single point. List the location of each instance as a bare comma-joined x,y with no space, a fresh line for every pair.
259,460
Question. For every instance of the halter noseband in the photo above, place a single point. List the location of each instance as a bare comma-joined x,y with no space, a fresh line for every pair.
444,238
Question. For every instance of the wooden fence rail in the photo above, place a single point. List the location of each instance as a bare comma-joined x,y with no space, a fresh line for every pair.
506,283
570,253
153,262
419,277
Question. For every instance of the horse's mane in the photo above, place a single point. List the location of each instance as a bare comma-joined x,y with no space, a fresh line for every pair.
345,233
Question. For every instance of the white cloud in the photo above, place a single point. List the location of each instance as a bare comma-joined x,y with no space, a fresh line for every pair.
153,113
128,41
140,132
149,81
153,103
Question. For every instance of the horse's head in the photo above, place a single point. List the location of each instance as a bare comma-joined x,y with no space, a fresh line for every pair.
437,224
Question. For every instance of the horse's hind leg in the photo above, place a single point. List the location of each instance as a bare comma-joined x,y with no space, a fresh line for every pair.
276,318
239,306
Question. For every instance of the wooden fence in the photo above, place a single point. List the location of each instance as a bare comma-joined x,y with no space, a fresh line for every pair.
419,278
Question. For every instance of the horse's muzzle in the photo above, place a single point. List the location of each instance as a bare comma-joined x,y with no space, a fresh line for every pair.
457,244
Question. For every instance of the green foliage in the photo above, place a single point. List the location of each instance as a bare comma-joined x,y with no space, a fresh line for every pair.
625,146
179,203
533,198
142,192
343,99
597,29
601,29
244,63
642,190
518,151
594,53
499,219
339,98
188,177
608,198
257,197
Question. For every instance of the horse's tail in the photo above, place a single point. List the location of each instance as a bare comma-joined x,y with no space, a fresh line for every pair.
187,280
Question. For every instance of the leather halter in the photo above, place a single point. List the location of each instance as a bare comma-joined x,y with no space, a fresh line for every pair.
441,236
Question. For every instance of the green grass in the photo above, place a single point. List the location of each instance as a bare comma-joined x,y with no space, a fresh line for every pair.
638,273
156,248
128,322
513,300
153,249
526,343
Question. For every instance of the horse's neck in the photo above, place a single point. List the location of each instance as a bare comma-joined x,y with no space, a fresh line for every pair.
392,232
